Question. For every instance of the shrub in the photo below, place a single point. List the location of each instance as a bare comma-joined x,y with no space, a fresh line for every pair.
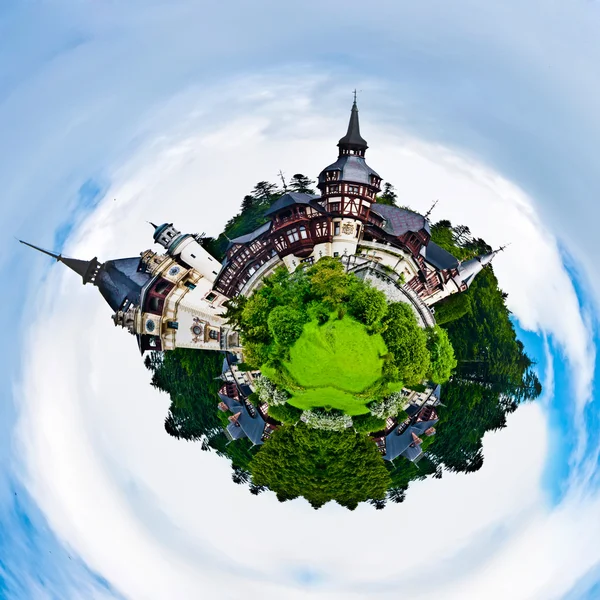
327,421
441,351
285,413
285,325
388,407
368,423
318,311
367,304
452,308
407,341
267,392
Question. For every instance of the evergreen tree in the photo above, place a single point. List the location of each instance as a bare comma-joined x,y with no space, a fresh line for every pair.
302,184
388,196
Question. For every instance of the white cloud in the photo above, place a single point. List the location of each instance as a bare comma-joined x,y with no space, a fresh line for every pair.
158,517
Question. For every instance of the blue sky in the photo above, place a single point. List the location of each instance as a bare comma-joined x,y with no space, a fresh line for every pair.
90,93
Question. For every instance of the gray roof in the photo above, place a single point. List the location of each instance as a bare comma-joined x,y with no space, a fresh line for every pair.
412,452
400,220
253,427
352,168
470,268
248,237
290,199
397,444
438,257
120,279
353,139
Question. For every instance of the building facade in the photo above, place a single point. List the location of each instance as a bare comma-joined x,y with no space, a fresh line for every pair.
175,299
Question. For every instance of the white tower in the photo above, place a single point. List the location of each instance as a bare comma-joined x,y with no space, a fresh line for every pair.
187,249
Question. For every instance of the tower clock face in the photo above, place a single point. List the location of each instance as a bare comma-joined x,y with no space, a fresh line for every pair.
150,325
173,271
196,330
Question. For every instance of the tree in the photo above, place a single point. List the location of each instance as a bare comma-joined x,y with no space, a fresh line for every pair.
407,341
441,354
285,325
302,184
321,466
396,495
367,304
264,192
388,196
452,308
329,282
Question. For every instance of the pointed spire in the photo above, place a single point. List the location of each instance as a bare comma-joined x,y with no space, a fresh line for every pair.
470,268
353,140
88,269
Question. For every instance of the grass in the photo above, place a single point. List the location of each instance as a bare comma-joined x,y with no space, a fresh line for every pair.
329,396
333,362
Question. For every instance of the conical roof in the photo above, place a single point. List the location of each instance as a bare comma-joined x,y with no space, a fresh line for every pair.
353,140
86,268
470,268
120,281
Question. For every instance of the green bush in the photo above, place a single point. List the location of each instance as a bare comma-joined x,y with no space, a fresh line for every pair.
367,304
285,325
452,308
285,413
440,349
407,341
368,423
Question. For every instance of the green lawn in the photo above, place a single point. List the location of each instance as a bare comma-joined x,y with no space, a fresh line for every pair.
333,362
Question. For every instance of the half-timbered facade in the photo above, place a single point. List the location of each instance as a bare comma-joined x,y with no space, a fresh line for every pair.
345,221
176,299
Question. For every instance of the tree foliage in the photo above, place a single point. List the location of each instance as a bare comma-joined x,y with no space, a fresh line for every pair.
301,183
407,342
321,466
285,325
368,305
388,196
443,361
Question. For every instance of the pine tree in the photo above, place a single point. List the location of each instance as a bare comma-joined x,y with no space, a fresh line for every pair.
302,184
388,196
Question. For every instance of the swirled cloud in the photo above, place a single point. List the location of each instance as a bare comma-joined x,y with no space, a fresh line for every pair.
120,117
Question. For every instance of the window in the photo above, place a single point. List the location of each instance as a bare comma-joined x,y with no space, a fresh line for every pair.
293,235
172,325
334,206
154,305
336,228
353,189
336,254
303,234
161,287
334,188
210,296
190,285
193,255
213,334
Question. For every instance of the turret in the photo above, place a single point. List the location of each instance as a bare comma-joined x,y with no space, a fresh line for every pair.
120,281
349,181
470,268
353,142
185,248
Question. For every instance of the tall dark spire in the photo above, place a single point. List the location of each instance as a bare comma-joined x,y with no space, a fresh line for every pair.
352,142
88,269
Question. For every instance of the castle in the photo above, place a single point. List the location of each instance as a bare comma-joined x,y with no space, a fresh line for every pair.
175,299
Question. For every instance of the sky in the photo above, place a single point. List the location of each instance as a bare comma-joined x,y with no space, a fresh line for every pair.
113,114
